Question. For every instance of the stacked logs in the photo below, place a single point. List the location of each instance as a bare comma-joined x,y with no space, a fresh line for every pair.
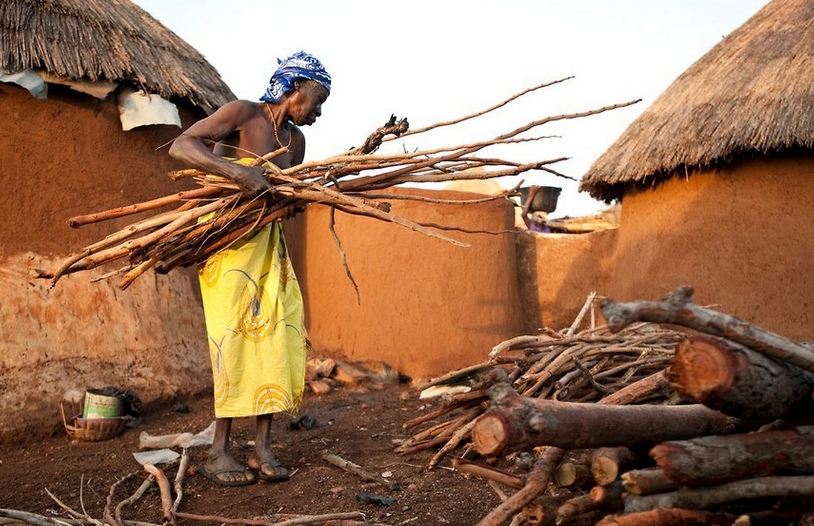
716,434
581,367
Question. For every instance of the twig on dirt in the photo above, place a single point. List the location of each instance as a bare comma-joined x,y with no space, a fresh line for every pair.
165,492
28,518
73,513
321,518
108,513
179,479
489,473
356,469
304,519
134,497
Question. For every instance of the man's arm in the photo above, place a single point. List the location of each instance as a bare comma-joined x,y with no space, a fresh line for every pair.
193,148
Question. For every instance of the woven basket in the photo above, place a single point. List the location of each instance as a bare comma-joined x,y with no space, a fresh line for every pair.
92,429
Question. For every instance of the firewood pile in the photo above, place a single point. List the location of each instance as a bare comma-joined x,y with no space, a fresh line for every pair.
323,374
671,413
215,215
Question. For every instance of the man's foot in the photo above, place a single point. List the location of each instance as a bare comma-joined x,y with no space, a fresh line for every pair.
268,469
225,471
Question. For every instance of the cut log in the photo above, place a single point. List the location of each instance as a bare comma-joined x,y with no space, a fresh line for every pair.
669,517
647,481
606,498
737,381
609,462
514,423
714,459
656,383
609,496
571,474
678,309
708,496
575,506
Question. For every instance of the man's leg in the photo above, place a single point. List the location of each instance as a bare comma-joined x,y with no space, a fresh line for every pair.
221,466
262,460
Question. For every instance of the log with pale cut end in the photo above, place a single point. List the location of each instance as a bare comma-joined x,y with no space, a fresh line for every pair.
609,462
571,474
515,423
713,459
647,481
737,381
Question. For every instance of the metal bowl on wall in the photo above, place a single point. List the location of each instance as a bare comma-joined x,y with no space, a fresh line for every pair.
545,200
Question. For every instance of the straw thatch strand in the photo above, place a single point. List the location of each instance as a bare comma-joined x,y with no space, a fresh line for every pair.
106,40
750,94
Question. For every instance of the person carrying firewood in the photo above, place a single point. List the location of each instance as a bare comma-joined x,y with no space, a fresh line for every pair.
251,298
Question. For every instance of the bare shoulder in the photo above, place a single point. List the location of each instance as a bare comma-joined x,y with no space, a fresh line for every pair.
229,118
240,109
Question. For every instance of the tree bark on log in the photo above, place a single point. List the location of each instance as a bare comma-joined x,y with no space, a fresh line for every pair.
656,383
647,481
708,496
714,459
515,423
678,309
669,517
737,381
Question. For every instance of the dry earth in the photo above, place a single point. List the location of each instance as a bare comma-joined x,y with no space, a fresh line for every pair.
360,425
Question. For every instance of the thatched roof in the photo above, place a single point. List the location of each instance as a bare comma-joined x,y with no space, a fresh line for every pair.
751,94
106,40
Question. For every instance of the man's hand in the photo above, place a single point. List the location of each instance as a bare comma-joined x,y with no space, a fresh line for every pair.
252,180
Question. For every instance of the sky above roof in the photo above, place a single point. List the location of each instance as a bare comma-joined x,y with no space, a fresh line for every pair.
436,60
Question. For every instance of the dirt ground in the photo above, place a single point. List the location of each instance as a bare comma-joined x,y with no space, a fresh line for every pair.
363,426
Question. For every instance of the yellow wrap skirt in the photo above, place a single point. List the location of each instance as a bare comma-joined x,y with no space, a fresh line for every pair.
255,324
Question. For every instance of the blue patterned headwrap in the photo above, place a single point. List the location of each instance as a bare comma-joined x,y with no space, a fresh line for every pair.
300,65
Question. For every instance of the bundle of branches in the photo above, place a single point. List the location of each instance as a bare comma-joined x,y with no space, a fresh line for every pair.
210,218
584,366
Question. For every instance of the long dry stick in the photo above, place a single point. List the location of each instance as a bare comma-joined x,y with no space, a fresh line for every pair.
164,491
179,480
134,497
108,512
306,519
172,239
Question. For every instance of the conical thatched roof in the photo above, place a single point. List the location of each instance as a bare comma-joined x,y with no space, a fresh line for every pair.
751,94
106,40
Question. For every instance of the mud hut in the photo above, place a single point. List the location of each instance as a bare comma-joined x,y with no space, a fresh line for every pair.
715,178
90,91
